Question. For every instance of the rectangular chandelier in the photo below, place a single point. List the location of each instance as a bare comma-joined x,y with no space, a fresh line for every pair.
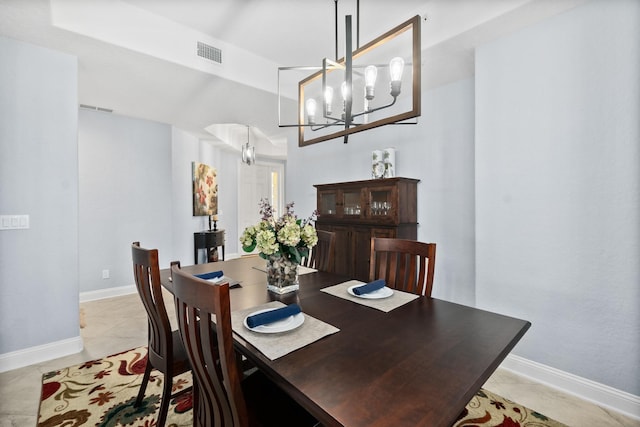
375,85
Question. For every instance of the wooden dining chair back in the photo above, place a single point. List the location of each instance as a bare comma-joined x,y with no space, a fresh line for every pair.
218,398
322,254
223,395
165,350
406,265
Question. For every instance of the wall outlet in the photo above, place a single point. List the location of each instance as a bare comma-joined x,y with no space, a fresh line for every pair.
105,274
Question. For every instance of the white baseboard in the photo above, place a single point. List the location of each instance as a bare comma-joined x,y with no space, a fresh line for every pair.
123,290
107,293
40,353
599,394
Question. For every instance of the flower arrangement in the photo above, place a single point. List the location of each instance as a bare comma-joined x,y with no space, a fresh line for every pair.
287,236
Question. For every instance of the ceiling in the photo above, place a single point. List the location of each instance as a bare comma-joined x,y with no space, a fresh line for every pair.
136,57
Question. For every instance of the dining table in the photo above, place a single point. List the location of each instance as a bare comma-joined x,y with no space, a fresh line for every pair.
416,363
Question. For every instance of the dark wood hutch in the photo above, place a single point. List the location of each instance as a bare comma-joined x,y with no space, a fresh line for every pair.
359,210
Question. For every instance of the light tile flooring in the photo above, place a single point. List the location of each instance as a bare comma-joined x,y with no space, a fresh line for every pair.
118,324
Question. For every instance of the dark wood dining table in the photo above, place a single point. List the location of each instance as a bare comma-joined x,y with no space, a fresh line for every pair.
417,365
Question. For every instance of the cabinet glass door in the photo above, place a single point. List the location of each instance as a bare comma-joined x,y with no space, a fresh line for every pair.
381,202
351,203
327,203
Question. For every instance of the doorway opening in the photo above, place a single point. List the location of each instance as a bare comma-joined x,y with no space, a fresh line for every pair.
262,180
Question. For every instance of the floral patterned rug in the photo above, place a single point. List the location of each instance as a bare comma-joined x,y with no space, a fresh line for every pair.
102,392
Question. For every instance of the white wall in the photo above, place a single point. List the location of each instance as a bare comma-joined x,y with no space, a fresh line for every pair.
555,213
135,185
557,175
125,195
38,177
439,151
185,149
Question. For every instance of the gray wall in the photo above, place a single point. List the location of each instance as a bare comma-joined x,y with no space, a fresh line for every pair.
185,149
439,151
135,185
38,177
125,194
557,175
551,195
543,223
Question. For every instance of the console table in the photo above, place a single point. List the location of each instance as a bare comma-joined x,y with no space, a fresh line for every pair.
209,240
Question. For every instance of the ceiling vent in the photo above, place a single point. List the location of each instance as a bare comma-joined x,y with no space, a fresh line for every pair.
209,52
91,107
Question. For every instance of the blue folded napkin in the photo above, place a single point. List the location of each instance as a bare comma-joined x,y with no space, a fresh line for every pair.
273,315
212,275
369,287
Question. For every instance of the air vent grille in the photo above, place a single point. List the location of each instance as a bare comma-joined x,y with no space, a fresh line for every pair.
94,108
209,52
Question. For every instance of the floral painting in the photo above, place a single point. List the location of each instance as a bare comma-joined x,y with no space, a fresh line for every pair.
205,190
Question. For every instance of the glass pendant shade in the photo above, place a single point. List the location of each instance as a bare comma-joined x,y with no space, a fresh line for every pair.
248,152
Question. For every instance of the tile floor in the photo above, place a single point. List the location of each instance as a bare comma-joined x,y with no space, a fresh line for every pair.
118,324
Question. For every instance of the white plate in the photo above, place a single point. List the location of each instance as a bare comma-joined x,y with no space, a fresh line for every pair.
377,294
287,324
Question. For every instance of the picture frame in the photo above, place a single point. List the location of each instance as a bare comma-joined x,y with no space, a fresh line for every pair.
205,189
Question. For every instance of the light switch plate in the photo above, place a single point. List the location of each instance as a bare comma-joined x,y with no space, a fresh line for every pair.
14,222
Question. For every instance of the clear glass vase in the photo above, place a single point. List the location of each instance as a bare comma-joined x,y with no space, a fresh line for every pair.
282,275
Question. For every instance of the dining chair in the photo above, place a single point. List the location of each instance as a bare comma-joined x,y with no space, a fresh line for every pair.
166,352
406,265
321,256
223,396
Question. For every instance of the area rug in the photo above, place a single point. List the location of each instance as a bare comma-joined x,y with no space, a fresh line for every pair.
102,393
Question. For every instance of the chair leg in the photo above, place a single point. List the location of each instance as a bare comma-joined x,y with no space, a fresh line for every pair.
166,398
143,386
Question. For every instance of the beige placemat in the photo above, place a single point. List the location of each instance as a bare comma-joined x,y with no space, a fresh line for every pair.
301,269
277,345
399,298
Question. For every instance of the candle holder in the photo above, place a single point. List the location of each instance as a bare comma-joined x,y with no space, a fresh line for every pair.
214,218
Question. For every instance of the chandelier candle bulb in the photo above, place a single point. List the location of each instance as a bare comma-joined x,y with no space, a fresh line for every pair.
328,99
311,110
356,75
344,90
370,75
345,94
396,66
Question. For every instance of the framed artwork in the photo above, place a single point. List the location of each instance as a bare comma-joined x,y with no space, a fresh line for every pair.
205,190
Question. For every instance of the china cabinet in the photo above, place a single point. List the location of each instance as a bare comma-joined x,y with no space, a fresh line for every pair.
359,210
